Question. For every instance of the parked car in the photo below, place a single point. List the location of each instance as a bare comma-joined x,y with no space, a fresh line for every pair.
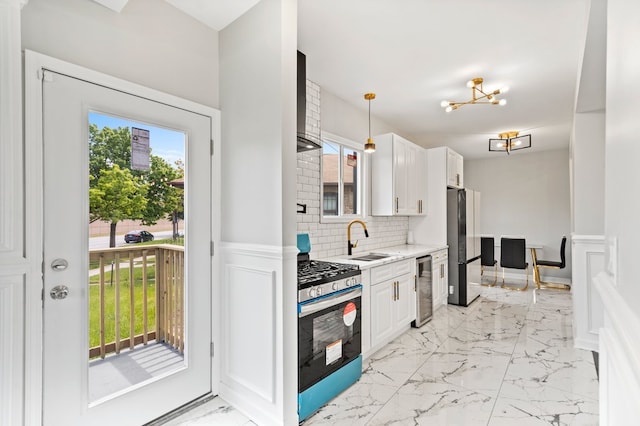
138,236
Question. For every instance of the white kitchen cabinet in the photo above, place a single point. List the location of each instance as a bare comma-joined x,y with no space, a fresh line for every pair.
392,300
382,321
455,176
398,177
440,274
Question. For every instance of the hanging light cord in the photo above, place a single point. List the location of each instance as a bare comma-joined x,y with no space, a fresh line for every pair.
369,118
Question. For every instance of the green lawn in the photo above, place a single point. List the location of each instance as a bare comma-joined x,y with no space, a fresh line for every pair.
110,289
109,316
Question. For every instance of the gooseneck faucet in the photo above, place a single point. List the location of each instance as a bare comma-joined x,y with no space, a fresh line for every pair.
354,245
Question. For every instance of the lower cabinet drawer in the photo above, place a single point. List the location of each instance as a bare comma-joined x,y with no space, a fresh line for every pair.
386,272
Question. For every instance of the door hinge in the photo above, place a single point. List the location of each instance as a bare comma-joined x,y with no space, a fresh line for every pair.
213,249
212,349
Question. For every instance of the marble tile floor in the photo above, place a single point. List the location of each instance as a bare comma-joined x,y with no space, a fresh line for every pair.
507,359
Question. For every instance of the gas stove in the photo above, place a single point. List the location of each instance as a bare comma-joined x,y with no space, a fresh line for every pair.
318,278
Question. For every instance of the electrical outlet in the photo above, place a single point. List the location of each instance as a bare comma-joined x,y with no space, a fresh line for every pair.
450,289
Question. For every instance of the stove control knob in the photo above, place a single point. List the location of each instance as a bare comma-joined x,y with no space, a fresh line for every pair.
334,286
319,291
312,292
351,281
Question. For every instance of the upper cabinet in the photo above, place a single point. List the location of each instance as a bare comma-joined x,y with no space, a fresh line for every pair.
454,169
398,177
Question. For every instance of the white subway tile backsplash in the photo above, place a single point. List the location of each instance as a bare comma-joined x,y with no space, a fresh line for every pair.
330,239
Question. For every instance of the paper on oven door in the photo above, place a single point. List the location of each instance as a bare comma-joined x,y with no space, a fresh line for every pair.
333,352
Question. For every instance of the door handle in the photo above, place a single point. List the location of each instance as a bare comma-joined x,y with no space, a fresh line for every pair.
59,292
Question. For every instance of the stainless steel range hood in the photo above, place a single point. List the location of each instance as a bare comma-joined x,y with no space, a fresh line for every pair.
306,139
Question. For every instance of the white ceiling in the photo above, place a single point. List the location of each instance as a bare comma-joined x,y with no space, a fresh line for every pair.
415,53
217,14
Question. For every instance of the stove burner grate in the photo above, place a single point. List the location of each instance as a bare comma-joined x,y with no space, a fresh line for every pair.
314,272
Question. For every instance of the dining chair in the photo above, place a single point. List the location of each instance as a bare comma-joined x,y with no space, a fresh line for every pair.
513,256
487,258
552,264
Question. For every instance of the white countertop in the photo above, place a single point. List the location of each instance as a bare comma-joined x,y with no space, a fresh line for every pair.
395,253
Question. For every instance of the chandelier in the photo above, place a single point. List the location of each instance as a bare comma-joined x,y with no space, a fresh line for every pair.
510,141
478,96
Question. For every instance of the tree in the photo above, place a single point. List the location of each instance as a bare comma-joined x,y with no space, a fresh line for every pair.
162,198
109,167
116,195
108,147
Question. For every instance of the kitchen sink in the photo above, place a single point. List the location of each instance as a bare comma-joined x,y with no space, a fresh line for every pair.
371,256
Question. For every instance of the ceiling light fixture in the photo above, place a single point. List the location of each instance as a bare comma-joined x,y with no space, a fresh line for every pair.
509,141
369,146
478,96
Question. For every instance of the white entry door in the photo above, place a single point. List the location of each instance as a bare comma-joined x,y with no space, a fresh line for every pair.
127,330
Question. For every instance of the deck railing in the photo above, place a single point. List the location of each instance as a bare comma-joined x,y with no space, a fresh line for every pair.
165,264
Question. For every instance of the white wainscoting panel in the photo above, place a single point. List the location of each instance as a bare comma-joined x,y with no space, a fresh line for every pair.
11,348
619,358
588,261
11,182
250,349
259,332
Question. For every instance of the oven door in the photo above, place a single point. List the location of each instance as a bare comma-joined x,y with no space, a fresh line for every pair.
329,335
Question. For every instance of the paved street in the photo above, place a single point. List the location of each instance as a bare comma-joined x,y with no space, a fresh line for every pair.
103,242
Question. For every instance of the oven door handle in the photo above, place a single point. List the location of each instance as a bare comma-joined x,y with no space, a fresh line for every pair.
311,308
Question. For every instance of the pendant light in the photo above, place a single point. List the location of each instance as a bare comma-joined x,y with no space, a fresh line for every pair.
369,146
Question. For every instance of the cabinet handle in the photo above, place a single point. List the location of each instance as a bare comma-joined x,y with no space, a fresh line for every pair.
397,204
415,283
442,270
458,179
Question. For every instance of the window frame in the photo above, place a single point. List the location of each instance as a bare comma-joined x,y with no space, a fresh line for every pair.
363,178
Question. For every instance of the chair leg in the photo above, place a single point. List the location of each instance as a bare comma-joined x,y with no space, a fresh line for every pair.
557,286
536,272
511,287
548,284
488,284
495,280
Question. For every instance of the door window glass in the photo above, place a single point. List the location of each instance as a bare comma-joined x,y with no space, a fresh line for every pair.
136,253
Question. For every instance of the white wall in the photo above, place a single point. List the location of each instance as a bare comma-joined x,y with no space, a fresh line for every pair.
622,147
258,68
525,194
259,298
587,150
150,43
342,119
618,286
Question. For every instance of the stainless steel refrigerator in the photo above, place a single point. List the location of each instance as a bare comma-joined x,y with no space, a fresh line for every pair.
463,238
